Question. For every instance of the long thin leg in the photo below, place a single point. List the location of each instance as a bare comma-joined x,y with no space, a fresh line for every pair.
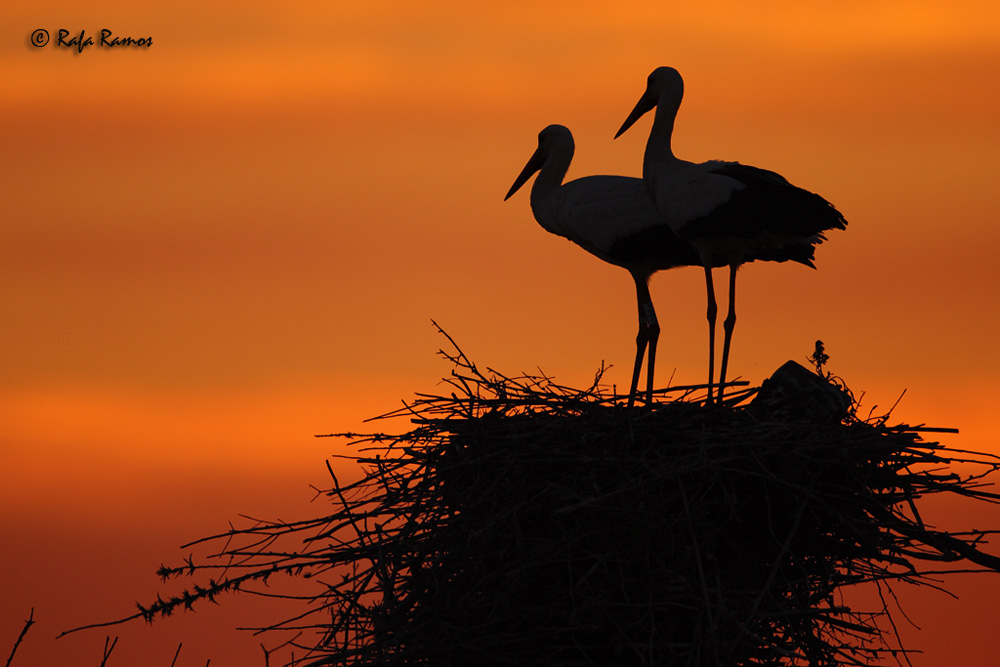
712,311
728,326
654,335
649,332
640,350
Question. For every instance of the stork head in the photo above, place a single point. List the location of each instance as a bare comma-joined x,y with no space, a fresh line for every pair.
662,85
554,139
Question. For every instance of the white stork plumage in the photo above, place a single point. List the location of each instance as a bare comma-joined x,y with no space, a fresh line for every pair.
612,218
725,209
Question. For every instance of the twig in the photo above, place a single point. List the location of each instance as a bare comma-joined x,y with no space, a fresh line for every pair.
27,624
108,649
177,653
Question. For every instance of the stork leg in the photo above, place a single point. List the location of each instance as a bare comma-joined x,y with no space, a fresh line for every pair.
649,332
654,335
712,311
728,325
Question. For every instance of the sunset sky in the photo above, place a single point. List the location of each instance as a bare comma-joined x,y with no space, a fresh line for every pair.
218,246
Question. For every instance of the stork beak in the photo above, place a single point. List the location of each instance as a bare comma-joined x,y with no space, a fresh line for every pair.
645,103
534,164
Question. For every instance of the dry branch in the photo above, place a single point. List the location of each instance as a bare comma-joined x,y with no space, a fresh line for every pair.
24,630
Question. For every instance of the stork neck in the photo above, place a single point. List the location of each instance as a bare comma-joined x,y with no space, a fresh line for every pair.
658,146
550,176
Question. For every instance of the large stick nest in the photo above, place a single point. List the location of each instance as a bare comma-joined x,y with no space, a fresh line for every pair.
524,523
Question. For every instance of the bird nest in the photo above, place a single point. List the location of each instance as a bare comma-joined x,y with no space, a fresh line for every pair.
521,522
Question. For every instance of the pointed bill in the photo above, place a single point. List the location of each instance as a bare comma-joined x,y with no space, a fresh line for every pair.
534,164
645,103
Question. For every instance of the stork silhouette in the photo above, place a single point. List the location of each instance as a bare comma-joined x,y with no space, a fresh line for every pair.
725,209
612,218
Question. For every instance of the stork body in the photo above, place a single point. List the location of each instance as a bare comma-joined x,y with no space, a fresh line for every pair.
725,209
612,218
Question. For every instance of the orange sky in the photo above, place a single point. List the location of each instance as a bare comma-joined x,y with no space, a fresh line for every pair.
216,247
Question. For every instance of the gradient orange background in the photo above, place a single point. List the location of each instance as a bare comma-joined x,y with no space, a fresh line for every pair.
217,247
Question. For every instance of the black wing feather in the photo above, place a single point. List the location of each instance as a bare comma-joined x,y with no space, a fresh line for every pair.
768,203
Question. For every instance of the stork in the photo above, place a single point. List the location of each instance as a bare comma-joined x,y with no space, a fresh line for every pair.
612,218
725,209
